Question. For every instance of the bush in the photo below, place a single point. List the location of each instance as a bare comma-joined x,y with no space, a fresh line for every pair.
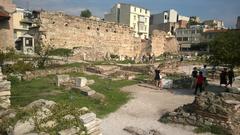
18,67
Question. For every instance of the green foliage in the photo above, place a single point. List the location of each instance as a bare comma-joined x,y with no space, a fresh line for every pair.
60,52
18,67
43,51
86,13
225,49
212,129
8,55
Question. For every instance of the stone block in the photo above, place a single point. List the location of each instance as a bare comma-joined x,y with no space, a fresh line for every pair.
167,83
92,124
5,85
61,79
87,118
81,81
5,93
86,90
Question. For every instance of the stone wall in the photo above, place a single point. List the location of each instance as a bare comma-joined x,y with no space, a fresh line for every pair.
88,37
5,93
6,25
221,110
42,73
161,43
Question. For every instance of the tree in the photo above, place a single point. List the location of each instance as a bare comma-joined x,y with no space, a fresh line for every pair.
43,52
86,13
225,49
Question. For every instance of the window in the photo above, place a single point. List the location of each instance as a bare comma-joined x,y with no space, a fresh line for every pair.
165,16
146,11
140,10
145,28
179,38
185,38
134,17
135,9
134,25
146,20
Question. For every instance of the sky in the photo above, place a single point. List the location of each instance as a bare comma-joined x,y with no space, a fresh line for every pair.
226,10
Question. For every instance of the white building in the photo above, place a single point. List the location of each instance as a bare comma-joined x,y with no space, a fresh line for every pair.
169,16
214,24
133,16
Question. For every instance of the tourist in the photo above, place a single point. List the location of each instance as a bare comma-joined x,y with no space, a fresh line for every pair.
194,77
223,77
158,77
205,74
230,77
199,82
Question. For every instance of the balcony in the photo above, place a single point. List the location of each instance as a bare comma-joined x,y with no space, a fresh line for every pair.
26,20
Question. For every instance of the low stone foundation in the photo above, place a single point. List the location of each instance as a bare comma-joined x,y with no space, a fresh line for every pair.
5,93
221,110
43,73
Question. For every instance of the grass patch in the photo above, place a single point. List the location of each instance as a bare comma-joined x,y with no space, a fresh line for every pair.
28,91
212,129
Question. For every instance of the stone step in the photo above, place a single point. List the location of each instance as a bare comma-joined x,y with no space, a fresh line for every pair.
5,85
87,118
92,124
5,93
94,130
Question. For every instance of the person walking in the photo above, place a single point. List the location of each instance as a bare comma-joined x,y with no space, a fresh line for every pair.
199,82
158,77
223,77
194,77
204,74
230,77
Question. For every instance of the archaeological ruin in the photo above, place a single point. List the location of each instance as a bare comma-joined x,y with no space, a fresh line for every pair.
94,40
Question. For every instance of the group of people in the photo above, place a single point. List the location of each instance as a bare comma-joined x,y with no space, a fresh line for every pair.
199,79
148,58
227,77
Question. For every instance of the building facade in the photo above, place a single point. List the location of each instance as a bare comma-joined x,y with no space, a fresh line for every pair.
238,23
188,37
214,24
21,22
136,17
168,21
6,24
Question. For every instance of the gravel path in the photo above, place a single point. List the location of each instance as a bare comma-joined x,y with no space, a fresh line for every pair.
144,110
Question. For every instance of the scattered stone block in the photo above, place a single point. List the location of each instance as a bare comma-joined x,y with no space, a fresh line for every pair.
81,81
87,91
22,128
86,118
167,83
90,82
62,78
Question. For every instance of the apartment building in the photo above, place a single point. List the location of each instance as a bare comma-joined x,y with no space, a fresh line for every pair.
134,16
21,22
214,24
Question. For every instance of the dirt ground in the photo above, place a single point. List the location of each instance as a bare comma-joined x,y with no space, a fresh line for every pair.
144,110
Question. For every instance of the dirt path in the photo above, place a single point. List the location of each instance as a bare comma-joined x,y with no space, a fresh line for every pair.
144,110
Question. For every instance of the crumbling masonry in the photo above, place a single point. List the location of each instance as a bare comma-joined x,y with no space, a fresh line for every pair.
91,40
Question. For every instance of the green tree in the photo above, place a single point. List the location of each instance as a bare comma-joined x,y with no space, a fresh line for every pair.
86,13
43,52
225,49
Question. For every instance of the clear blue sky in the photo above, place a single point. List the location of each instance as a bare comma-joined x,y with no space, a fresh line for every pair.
226,10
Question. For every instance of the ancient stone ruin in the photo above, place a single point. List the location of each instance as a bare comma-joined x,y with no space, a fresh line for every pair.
95,40
75,83
221,110
43,117
5,93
